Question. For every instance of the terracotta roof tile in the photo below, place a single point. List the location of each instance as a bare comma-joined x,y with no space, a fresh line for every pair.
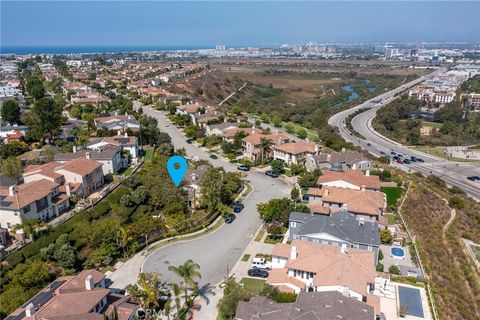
355,177
297,147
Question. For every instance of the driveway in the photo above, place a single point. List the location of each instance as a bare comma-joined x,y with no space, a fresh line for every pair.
216,252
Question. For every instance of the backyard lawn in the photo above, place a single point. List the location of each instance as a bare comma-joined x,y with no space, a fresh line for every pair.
254,285
393,193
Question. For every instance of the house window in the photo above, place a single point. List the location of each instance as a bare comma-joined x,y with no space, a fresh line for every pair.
9,225
26,209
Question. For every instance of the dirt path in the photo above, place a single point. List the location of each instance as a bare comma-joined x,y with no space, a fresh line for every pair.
453,214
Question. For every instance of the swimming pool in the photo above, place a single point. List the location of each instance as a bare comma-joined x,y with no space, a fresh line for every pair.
398,253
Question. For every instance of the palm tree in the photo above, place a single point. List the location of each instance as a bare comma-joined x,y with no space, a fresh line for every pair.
188,272
265,145
147,290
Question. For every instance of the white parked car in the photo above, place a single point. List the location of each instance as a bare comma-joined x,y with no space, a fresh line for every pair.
261,263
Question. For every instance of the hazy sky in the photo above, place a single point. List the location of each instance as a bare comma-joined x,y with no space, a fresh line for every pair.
88,23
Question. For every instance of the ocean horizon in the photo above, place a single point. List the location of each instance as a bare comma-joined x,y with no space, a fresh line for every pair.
5,50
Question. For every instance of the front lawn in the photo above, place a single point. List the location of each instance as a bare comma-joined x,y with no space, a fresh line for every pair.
253,285
393,194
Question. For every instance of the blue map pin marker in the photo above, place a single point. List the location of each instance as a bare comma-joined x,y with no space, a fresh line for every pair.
177,167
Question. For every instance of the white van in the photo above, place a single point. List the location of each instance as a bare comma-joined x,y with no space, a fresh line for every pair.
261,263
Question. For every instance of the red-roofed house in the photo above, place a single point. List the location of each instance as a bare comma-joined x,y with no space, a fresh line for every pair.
308,266
37,200
350,179
80,297
295,152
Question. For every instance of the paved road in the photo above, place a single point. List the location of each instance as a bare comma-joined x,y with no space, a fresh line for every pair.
219,250
454,173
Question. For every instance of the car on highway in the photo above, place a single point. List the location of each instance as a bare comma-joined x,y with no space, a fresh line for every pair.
382,152
369,144
400,161
396,158
413,159
474,178
420,160
273,174
259,273
229,218
238,207
243,167
393,153
213,156
407,161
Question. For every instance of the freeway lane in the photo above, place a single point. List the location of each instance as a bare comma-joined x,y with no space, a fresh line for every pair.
452,172
219,250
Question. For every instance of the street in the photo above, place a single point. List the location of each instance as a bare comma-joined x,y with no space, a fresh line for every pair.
216,252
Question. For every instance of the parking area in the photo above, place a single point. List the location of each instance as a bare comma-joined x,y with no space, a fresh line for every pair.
241,268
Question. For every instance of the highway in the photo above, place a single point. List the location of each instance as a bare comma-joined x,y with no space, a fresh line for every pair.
453,173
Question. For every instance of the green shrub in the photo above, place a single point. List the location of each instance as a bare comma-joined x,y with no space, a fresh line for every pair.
100,209
117,194
380,255
456,202
394,270
380,267
14,258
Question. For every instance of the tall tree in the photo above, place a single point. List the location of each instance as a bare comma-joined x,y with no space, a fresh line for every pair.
35,87
147,290
11,111
44,119
265,147
12,168
189,273
211,186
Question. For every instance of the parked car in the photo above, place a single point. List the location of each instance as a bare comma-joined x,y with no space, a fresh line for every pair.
382,152
238,207
229,218
195,158
261,263
272,173
393,153
260,273
213,156
305,197
474,178
243,167
396,158
189,141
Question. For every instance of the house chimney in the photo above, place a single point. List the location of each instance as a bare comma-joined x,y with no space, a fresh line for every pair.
361,221
11,191
119,133
293,253
344,248
125,134
89,282
329,158
74,149
344,207
29,310
363,187
367,173
68,190
343,149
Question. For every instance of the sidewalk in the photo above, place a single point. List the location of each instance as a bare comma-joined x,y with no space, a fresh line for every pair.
208,311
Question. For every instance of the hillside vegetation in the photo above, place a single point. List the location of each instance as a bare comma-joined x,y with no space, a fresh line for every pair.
454,279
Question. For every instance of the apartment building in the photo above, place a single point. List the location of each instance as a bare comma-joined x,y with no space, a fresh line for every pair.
39,200
82,176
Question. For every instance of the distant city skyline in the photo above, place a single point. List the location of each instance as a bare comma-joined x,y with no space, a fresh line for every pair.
201,24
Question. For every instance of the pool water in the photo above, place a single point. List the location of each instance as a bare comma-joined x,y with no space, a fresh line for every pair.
398,252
